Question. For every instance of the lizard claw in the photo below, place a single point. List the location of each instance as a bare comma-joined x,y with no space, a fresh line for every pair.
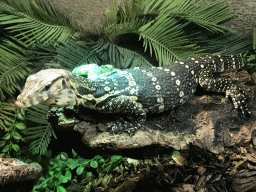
126,126
238,97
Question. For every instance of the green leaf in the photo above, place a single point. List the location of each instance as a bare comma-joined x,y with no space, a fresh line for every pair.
2,143
61,189
72,163
20,126
16,147
102,162
116,158
88,174
2,155
16,136
94,164
63,179
20,114
51,173
80,170
8,123
64,156
68,175
6,149
7,136
58,169
74,153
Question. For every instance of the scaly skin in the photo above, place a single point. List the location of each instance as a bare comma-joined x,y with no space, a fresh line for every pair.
136,91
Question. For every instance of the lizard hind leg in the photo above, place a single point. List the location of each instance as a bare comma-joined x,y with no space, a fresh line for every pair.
238,97
209,83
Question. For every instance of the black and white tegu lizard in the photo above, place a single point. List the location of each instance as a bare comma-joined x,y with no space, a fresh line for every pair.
134,92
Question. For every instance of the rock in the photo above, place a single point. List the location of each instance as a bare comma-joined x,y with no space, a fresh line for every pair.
16,175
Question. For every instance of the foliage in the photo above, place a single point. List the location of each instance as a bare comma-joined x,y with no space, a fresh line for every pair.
13,66
73,54
22,24
250,56
62,169
12,122
174,30
35,35
254,37
42,132
33,22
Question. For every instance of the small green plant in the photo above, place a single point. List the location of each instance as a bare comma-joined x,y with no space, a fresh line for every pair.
14,126
254,37
62,170
250,57
114,162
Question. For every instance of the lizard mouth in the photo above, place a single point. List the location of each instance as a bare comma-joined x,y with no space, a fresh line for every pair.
19,105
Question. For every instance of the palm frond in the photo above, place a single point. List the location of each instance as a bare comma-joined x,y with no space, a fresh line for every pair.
41,133
163,26
64,55
13,66
31,23
73,54
165,38
204,13
224,43
121,57
123,18
42,56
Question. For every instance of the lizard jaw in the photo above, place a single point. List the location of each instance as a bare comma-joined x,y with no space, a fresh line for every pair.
19,105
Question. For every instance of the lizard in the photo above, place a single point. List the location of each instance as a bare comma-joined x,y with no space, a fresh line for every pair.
135,91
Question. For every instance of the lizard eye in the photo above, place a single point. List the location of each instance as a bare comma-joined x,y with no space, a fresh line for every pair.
47,87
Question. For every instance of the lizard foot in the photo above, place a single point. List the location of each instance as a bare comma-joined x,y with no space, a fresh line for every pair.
238,97
117,126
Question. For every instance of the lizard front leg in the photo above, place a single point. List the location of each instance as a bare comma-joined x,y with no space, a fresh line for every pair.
126,105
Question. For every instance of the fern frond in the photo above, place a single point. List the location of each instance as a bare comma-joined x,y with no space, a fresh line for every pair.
7,115
31,23
41,134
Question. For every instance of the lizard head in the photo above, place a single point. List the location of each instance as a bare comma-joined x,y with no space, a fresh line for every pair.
50,87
